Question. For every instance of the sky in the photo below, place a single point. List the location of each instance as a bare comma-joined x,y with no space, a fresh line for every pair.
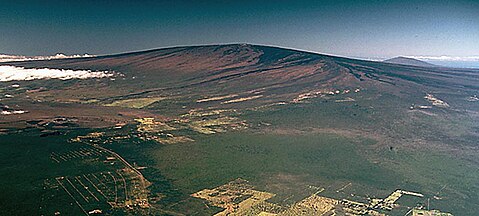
367,29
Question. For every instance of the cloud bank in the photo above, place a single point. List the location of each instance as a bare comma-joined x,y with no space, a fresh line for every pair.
8,58
12,73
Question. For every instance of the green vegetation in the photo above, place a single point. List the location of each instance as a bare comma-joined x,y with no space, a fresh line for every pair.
28,167
49,175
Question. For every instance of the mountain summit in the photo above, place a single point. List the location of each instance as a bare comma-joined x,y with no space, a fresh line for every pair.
231,76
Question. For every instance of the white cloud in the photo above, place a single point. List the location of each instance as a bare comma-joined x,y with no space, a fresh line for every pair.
447,58
12,73
8,58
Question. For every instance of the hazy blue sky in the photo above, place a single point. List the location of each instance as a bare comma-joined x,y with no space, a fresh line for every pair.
350,28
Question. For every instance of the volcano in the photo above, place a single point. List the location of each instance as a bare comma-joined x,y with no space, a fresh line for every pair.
146,132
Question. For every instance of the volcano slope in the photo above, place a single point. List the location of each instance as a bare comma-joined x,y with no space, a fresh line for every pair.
184,119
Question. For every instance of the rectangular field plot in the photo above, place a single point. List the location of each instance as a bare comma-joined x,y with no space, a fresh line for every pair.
81,153
105,191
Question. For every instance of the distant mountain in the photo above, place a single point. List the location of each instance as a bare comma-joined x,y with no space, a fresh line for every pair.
409,61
